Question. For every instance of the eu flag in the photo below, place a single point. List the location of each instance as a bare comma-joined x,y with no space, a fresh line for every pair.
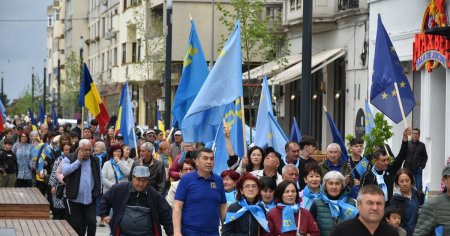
32,119
195,71
387,70
296,135
41,114
54,119
337,138
262,120
277,137
233,118
222,86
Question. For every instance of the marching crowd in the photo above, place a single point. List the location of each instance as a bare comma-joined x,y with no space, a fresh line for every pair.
169,185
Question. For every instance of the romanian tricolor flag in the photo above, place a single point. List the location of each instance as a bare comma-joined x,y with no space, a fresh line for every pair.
125,119
90,98
160,121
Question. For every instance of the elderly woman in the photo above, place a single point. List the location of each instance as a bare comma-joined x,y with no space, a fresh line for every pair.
409,200
312,176
333,206
230,179
246,217
288,218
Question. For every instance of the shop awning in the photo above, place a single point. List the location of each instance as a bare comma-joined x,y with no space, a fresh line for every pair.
273,67
318,61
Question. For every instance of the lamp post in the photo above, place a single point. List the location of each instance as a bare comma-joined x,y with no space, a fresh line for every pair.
3,102
59,83
44,96
81,74
32,87
168,69
305,85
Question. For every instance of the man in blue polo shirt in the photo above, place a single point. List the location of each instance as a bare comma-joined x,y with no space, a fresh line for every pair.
200,200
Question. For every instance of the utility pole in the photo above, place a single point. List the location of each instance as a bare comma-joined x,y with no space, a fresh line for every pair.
81,75
59,83
3,102
44,96
168,69
32,87
211,63
304,87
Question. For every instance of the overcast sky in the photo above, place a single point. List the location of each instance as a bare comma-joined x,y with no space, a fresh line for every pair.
23,30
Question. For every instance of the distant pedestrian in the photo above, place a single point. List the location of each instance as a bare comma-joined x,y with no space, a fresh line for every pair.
417,158
8,165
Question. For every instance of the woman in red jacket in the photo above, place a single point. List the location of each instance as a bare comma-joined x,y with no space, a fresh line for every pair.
284,218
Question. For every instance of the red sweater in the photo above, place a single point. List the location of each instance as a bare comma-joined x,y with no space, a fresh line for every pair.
307,223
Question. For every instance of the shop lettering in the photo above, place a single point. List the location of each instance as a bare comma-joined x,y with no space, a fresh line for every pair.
427,47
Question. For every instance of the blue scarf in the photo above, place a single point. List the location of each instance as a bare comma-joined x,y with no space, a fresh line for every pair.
340,207
101,156
268,206
311,197
231,197
116,168
287,217
381,183
256,211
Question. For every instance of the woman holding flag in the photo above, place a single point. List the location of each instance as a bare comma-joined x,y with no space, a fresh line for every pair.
246,217
288,218
333,206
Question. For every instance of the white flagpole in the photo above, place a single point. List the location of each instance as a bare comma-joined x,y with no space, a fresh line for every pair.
400,105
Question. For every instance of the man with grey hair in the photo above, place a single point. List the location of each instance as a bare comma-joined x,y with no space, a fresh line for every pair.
334,162
138,205
82,173
290,172
157,178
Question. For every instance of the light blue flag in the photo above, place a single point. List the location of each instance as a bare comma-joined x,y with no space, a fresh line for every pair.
362,166
220,152
195,71
276,136
41,114
127,117
262,120
296,135
223,86
233,118
368,117
2,108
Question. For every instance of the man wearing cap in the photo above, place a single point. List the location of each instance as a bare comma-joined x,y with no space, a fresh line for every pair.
436,211
151,137
118,139
175,147
157,178
138,208
82,173
200,200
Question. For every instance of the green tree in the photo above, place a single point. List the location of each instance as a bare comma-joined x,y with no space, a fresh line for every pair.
21,104
71,88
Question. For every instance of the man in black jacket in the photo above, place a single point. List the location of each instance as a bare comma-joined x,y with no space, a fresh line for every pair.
382,173
138,208
417,157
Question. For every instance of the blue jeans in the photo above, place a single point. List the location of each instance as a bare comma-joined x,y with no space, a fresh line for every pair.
418,178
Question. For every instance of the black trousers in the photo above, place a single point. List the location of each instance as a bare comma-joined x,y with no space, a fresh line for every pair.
83,217
23,183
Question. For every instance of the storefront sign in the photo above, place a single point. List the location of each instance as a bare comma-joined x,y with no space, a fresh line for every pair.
429,47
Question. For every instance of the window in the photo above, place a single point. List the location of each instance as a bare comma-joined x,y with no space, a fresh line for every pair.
102,66
124,53
139,50
295,4
134,52
115,57
50,21
103,26
57,14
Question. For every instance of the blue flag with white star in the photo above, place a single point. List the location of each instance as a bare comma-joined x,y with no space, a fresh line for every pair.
387,70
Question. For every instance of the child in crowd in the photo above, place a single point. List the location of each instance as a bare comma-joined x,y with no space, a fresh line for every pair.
393,217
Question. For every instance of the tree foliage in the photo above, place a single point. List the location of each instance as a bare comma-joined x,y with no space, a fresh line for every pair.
70,93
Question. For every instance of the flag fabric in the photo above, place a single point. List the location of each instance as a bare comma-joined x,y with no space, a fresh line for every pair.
222,86
195,71
125,118
54,119
32,120
233,118
361,167
337,138
41,114
387,70
368,116
296,135
276,136
160,121
220,152
262,120
2,115
90,98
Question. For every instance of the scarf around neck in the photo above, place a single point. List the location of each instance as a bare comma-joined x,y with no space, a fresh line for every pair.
340,207
255,210
380,182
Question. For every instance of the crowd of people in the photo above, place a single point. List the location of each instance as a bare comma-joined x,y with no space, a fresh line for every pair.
167,184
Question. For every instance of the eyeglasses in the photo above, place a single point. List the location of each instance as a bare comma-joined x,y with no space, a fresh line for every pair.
250,186
187,169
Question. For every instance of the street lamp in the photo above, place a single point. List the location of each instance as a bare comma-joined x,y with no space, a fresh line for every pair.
81,74
2,91
45,85
168,69
59,83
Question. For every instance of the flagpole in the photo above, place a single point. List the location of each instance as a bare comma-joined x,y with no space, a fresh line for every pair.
135,144
401,105
169,138
82,118
244,134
